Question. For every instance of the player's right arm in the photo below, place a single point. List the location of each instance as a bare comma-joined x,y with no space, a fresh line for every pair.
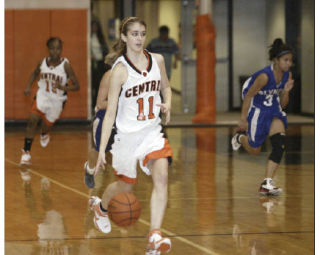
32,78
117,79
102,98
257,85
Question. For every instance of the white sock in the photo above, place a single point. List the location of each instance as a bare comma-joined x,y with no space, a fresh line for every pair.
269,180
90,170
239,141
154,237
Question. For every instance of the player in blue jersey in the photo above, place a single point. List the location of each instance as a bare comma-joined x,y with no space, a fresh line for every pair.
100,110
264,95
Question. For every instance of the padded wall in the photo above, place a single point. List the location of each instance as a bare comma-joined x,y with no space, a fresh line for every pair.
26,33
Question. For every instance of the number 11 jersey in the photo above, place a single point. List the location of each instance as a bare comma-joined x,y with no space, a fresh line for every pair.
139,96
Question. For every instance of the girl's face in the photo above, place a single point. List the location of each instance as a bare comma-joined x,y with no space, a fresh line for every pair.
285,62
55,50
135,37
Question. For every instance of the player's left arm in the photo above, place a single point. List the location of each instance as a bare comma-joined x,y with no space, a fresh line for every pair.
284,96
72,76
165,88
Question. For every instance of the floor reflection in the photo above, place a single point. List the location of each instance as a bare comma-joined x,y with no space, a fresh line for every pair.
51,229
213,208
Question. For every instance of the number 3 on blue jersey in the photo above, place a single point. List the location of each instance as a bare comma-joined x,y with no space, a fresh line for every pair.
268,101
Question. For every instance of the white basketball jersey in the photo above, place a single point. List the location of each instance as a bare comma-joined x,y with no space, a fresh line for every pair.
139,96
50,75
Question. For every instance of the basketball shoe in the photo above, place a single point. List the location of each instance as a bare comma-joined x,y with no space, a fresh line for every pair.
157,243
25,158
101,219
235,141
267,188
44,140
88,178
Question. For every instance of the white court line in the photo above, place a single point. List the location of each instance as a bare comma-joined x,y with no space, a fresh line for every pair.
182,239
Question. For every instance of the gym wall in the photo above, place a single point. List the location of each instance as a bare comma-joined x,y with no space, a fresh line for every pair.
28,25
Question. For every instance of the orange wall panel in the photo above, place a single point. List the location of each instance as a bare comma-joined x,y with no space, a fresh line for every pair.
9,67
71,27
26,34
31,31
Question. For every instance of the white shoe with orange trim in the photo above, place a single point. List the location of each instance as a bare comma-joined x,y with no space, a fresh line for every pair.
157,243
101,219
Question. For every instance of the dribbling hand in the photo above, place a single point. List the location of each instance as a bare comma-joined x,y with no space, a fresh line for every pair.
101,161
166,110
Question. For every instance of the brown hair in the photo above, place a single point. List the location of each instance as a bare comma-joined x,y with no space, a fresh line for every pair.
120,46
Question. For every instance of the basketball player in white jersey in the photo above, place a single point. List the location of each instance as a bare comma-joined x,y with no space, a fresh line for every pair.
134,106
54,73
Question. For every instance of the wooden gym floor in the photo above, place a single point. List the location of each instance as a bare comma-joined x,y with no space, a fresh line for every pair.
213,208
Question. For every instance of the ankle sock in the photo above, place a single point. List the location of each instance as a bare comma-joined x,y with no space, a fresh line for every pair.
239,141
90,170
102,209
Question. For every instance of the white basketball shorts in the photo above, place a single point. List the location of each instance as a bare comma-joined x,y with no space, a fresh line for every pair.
48,107
141,146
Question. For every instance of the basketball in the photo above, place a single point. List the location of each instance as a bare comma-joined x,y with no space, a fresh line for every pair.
124,209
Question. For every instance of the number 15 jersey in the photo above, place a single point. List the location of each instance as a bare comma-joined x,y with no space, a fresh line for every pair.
139,96
50,75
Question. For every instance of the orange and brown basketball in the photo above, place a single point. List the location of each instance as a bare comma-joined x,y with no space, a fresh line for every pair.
124,209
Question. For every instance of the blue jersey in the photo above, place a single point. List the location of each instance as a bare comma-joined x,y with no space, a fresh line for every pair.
267,98
265,106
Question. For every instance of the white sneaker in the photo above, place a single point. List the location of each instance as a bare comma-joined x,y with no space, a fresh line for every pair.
234,142
101,219
157,243
25,158
268,188
44,140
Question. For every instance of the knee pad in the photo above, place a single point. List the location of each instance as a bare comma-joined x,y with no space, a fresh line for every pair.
278,147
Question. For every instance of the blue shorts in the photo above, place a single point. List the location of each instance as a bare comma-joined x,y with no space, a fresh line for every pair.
96,131
259,123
